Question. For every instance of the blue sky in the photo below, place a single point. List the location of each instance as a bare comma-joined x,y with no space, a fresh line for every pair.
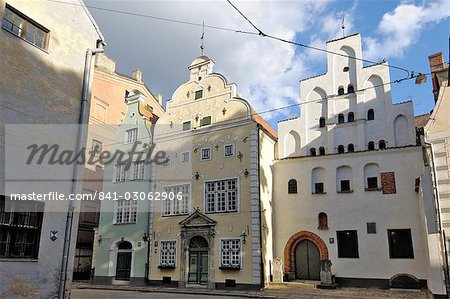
267,72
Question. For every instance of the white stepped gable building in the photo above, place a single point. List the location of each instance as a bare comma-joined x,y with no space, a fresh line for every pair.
345,184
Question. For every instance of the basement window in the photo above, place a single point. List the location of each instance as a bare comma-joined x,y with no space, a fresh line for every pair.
22,26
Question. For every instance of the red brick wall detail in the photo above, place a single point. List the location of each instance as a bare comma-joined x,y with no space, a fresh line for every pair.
388,183
291,245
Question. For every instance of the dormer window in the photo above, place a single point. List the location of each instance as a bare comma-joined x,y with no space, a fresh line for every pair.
198,94
341,90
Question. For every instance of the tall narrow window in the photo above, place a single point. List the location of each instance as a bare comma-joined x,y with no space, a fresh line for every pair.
312,151
322,122
341,90
323,221
321,151
371,146
350,88
341,118
138,171
168,254
292,186
370,114
120,173
382,144
351,117
350,148
131,135
341,149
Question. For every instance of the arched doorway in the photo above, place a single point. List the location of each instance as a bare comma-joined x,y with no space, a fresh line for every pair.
198,260
307,261
124,256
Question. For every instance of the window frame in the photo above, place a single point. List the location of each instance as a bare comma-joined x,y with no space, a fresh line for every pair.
198,92
233,150
185,128
341,189
188,157
127,135
340,249
369,188
292,189
123,173
183,207
351,117
230,266
24,29
138,170
201,153
175,254
206,193
319,184
341,118
370,114
404,254
201,121
123,210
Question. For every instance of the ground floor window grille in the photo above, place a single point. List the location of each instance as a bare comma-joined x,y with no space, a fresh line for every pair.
230,253
168,253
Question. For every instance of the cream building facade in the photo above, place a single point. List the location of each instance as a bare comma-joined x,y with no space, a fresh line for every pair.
350,173
219,155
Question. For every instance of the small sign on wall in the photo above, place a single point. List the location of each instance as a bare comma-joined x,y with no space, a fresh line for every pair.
53,235
331,240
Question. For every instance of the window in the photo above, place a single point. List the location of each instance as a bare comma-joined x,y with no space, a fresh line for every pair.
321,151
292,186
341,118
347,244
312,151
205,154
322,122
25,28
187,125
126,211
221,196
341,90
96,146
350,148
400,244
351,117
20,228
173,205
205,121
345,186
382,144
229,150
341,149
138,170
120,173
350,88
372,183
371,146
198,94
168,160
168,254
131,135
185,157
371,227
230,253
318,188
323,221
370,114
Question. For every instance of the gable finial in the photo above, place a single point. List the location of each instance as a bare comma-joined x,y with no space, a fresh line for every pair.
202,47
343,25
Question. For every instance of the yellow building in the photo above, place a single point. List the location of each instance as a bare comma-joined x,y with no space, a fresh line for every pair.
214,227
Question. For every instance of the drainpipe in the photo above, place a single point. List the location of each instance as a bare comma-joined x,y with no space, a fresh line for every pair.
78,169
262,277
438,212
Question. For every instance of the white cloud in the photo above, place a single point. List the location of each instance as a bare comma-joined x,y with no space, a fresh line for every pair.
400,28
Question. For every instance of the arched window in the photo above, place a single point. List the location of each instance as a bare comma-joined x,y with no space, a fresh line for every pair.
370,114
321,151
350,148
323,221
344,177
371,177
341,149
312,151
292,186
341,90
340,118
371,146
124,245
382,144
351,117
318,180
322,122
350,88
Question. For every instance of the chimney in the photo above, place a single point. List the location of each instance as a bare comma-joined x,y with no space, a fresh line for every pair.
137,75
436,61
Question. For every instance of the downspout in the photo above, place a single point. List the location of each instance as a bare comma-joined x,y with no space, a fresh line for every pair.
150,210
261,285
78,169
438,211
